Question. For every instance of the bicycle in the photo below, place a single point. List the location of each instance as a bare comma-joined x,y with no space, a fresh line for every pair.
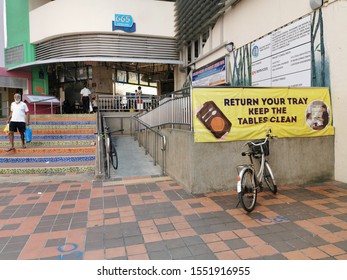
111,151
249,182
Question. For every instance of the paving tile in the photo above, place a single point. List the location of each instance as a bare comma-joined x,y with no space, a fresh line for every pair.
218,246
236,244
155,246
192,240
296,255
199,249
331,250
115,252
159,255
246,253
227,255
136,249
55,242
113,243
133,240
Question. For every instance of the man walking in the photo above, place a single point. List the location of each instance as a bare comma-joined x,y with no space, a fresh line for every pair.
18,119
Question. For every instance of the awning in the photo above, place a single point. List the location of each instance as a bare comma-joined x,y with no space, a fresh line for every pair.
97,59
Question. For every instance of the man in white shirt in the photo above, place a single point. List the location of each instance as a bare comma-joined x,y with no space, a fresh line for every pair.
85,92
18,119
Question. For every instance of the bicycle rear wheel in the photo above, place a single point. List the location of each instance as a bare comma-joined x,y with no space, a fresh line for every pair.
248,194
114,156
269,178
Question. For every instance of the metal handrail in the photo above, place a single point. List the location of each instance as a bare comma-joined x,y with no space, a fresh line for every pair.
147,128
176,110
99,146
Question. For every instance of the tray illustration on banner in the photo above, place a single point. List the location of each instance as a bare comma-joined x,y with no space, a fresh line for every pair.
214,119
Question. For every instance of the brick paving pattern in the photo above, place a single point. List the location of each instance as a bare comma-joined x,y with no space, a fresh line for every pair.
152,217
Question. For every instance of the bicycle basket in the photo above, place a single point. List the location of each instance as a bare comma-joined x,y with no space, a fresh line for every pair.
257,150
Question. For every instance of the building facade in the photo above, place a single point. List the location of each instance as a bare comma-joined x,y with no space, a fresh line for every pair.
52,47
271,43
64,44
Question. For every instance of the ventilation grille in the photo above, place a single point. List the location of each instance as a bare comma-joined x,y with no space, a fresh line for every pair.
107,45
11,82
14,55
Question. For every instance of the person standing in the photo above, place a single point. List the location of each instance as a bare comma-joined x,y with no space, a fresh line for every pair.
85,93
18,119
139,99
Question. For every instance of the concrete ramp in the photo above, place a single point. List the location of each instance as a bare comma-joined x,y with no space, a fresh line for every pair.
132,160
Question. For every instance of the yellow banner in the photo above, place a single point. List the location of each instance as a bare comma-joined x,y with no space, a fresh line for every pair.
229,114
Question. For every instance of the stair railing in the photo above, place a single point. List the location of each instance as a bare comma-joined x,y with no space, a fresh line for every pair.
99,164
173,109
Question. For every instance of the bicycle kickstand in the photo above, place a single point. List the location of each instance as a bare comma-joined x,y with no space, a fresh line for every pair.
238,203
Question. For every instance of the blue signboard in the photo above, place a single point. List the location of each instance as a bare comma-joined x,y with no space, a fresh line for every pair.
210,75
123,22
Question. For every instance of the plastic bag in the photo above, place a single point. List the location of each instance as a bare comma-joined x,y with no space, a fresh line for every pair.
90,107
6,129
28,135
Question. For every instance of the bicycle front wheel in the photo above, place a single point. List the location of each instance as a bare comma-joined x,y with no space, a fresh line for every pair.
269,178
114,156
248,194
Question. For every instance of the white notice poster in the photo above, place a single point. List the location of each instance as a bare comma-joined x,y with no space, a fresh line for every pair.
283,58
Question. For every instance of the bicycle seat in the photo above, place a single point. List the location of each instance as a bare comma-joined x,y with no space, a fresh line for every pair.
249,153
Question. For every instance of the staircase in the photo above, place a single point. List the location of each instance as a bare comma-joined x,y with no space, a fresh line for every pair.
60,144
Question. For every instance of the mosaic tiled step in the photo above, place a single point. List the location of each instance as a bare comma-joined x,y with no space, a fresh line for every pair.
49,164
46,164
64,131
52,143
45,137
61,126
64,116
58,118
47,169
48,151
42,160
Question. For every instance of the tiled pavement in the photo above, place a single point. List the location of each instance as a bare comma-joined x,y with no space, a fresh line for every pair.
152,217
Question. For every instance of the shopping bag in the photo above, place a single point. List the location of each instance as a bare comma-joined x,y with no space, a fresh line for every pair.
6,129
28,135
90,107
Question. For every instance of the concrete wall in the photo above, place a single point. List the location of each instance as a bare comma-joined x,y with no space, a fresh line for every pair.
78,16
117,121
209,167
335,22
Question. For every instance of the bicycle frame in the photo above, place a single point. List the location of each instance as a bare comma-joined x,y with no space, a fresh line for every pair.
242,168
250,178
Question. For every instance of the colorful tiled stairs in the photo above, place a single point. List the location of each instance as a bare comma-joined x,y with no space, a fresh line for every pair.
60,143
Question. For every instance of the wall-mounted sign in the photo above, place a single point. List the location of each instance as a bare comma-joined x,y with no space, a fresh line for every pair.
210,75
123,22
229,114
283,58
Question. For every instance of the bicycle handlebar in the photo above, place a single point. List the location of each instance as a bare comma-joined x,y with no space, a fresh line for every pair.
260,143
268,135
114,131
108,132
